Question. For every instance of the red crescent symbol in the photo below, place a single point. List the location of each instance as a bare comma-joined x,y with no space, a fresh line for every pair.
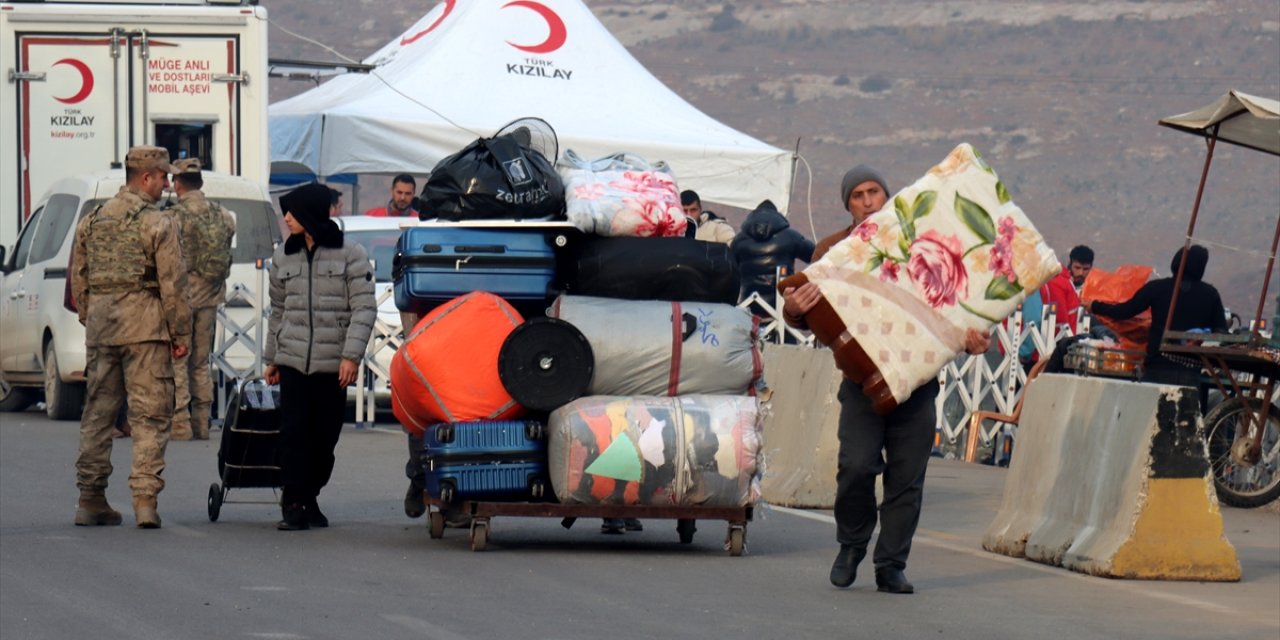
86,81
557,33
448,8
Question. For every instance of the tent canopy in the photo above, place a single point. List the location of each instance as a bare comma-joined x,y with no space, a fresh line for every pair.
1238,118
467,68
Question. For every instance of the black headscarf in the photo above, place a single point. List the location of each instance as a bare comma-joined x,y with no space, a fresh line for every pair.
1197,260
309,205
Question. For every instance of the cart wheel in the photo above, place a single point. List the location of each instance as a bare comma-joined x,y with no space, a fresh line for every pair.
215,501
736,543
436,525
479,535
686,528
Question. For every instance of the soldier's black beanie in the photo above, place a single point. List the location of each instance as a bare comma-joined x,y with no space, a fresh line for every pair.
309,205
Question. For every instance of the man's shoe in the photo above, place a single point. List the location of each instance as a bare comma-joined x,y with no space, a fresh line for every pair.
200,433
414,503
456,518
612,525
315,517
144,512
295,518
891,580
93,510
632,524
845,568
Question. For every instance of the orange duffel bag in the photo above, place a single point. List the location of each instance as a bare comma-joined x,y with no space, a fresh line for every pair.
447,370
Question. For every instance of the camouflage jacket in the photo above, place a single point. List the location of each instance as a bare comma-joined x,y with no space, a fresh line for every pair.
192,206
127,274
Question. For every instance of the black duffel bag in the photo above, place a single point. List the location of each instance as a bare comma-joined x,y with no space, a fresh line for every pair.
680,269
497,178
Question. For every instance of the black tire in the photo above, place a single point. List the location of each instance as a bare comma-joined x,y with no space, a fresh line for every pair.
62,400
1242,485
479,535
686,529
14,399
435,524
215,501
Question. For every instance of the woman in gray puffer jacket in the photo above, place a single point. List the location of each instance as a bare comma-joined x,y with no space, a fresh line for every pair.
322,312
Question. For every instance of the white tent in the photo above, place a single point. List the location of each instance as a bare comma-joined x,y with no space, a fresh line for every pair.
467,68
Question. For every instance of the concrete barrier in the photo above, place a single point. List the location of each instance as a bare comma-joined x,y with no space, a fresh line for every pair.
800,427
1111,478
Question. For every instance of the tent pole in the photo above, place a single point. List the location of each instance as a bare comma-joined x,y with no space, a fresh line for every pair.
1266,282
1195,211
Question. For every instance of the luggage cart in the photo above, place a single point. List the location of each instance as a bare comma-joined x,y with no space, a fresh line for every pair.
686,518
247,454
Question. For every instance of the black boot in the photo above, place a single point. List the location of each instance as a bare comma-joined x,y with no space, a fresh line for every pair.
315,517
295,518
612,525
414,504
891,580
845,568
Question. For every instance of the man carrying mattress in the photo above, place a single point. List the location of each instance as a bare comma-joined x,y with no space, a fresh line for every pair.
896,445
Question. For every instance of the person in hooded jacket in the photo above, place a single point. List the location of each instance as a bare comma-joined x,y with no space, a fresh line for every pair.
1199,307
322,312
767,241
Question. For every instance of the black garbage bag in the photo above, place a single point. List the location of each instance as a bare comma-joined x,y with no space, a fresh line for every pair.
497,178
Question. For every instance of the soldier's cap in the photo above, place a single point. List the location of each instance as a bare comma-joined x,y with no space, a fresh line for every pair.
187,166
148,158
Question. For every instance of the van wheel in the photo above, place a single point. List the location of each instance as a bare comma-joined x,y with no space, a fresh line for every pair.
14,399
62,400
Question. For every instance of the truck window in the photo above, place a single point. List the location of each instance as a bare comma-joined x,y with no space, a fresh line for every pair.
59,216
23,248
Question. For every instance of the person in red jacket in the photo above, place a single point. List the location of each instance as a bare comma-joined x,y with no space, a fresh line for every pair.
401,203
1059,291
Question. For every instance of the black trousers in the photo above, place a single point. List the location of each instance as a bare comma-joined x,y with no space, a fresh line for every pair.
312,409
897,445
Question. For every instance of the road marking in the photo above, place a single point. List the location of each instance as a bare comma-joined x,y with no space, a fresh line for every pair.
934,539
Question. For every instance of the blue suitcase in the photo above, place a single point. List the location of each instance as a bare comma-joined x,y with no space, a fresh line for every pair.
437,262
494,461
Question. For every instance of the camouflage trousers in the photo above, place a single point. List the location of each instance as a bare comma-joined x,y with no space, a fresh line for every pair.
143,373
192,380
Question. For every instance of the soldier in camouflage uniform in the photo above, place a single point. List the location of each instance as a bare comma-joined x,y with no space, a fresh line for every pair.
127,276
206,230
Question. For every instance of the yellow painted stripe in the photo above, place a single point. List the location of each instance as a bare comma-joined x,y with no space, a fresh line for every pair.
1178,536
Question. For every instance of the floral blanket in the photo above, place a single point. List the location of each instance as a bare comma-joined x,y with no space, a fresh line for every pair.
621,195
948,253
699,450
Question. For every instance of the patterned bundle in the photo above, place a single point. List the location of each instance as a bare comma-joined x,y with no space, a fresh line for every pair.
621,195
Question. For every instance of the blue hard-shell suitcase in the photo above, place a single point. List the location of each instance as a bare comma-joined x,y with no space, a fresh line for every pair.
437,263
495,461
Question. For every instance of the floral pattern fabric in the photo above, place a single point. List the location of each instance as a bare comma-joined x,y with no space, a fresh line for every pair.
697,450
621,195
948,253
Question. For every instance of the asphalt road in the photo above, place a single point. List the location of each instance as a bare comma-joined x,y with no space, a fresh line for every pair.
377,574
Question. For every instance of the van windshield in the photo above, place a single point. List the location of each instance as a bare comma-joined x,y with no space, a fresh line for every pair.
257,231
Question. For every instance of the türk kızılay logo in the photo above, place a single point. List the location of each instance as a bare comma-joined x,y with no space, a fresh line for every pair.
73,122
557,34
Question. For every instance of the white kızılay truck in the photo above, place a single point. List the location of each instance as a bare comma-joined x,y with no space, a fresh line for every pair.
84,81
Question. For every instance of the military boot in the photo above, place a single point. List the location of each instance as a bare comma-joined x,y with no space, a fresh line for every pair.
93,510
144,511
200,432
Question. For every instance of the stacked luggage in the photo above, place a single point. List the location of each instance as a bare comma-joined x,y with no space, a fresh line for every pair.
597,362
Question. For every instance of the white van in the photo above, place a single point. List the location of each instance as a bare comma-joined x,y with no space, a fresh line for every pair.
42,352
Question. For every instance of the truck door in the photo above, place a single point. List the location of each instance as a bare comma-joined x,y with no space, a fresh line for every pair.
185,96
69,109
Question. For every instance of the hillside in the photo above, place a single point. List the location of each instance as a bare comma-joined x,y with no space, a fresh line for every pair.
1061,97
